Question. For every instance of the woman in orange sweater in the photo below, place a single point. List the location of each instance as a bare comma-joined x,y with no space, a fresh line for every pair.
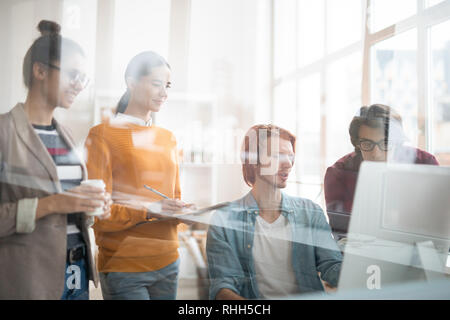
137,259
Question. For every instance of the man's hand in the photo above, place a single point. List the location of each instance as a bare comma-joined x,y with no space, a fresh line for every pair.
227,294
328,288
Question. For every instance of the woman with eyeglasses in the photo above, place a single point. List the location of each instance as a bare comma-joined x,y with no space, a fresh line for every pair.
45,250
377,135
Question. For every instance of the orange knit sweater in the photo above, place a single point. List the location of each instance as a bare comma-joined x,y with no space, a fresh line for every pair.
126,157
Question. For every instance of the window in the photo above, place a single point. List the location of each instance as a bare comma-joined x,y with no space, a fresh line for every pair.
440,90
317,80
285,20
343,100
384,13
148,22
341,29
309,119
431,3
409,68
394,78
310,34
325,55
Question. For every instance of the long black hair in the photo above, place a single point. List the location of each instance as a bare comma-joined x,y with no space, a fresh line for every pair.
141,65
47,49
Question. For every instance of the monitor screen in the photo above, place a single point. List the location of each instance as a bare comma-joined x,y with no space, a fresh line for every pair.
416,203
399,226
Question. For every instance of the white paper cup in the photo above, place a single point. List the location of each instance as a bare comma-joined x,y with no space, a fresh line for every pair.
98,184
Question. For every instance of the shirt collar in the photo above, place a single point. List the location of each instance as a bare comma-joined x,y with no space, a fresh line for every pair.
251,205
131,119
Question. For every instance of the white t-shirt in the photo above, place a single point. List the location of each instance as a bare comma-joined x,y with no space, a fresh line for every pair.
272,254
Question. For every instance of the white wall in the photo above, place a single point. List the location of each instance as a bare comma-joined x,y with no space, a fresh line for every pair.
18,22
229,57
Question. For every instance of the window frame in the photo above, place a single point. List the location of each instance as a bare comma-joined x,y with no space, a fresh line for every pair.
319,66
422,21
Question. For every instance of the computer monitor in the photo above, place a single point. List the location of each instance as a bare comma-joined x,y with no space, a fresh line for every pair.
339,222
400,226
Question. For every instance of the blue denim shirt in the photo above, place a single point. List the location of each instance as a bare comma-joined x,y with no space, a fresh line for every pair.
230,242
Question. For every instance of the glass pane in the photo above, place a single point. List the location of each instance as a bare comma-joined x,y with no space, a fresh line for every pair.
343,100
285,106
78,24
311,14
394,78
430,3
284,116
385,13
344,23
440,90
148,22
308,157
284,31
292,186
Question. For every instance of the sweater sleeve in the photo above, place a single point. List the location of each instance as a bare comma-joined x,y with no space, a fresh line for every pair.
99,166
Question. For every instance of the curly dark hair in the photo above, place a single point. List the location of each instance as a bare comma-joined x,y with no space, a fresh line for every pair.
377,116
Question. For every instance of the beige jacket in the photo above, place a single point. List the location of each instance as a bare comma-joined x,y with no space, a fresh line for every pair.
32,253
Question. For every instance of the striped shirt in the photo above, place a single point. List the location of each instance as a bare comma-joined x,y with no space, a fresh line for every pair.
67,163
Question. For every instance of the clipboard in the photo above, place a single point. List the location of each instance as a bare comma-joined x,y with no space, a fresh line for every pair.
203,210
173,216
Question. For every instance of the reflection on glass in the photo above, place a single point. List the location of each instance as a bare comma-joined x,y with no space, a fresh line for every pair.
147,22
285,238
343,100
394,78
389,230
440,86
284,31
341,30
310,31
431,3
284,115
285,105
385,13
308,123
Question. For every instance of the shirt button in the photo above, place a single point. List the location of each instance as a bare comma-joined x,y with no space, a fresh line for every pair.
249,246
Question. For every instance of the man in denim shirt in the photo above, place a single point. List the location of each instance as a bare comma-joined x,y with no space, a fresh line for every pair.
269,245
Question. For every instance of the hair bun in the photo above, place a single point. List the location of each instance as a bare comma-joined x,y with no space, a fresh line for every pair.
47,27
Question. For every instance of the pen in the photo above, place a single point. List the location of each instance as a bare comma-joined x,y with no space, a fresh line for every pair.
156,191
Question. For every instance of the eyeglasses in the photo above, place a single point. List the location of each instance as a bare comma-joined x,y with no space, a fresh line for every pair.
283,157
368,145
74,76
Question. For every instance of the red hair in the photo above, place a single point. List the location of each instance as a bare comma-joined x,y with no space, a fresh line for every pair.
249,159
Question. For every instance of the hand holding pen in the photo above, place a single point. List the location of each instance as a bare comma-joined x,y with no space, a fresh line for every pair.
166,205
